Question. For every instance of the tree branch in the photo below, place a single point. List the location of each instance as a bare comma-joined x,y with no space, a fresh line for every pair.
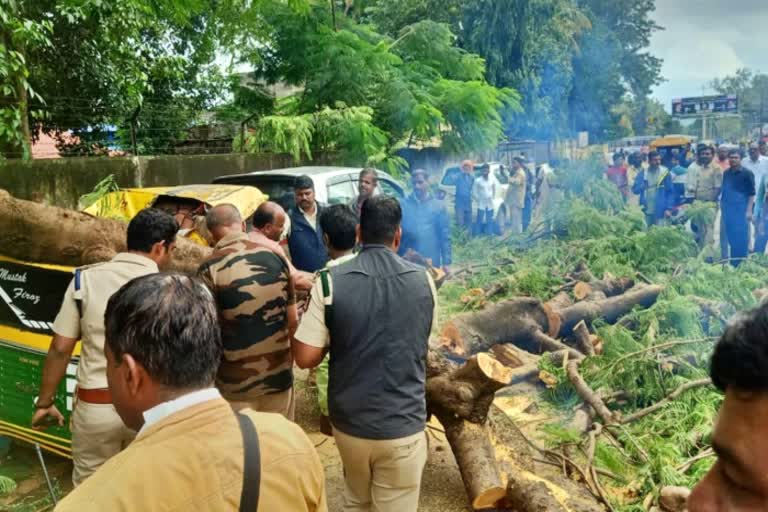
662,403
588,394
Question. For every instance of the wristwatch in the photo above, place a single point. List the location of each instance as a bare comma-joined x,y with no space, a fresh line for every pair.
45,405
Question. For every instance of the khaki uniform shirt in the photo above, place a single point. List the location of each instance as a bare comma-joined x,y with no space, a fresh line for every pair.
253,290
516,191
97,284
193,460
703,183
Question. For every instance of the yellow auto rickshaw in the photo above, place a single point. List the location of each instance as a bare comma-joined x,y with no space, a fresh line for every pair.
31,293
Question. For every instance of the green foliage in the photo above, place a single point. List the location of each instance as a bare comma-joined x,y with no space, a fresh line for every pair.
702,213
650,352
7,485
418,85
21,35
751,87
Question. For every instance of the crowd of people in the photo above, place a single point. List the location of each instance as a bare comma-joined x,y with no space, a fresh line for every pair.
185,392
664,186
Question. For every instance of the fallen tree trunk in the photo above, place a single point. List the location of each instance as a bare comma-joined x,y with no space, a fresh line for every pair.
492,465
36,232
511,321
610,309
597,289
460,399
535,326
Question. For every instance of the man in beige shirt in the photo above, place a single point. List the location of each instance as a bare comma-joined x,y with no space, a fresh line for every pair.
515,199
192,452
703,183
97,432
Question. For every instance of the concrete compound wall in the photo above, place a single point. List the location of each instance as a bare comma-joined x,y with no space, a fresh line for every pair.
62,181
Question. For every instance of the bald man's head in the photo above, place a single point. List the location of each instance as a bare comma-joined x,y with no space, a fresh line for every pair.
224,219
269,218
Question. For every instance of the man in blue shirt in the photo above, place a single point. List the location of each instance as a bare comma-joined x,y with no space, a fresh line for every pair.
426,228
736,201
308,252
464,183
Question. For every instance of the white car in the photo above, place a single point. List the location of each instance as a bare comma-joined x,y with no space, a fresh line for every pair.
448,188
333,185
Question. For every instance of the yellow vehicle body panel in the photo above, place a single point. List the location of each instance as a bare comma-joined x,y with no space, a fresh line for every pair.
30,294
671,140
128,202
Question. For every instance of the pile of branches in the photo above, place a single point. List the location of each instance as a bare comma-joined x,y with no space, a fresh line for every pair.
631,387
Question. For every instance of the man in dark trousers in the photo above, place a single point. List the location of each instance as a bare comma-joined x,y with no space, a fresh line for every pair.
736,201
305,243
463,205
376,394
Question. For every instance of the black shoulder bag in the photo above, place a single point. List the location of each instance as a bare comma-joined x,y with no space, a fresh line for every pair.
249,498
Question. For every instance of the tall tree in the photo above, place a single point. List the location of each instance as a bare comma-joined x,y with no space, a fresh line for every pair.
20,34
752,90
613,61
378,90
142,63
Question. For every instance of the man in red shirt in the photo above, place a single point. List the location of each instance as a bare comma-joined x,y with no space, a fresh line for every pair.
617,173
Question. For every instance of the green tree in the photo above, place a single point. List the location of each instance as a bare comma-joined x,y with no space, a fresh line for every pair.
20,35
365,93
613,61
145,63
752,90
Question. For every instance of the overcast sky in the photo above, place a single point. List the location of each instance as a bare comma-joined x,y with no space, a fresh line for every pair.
706,39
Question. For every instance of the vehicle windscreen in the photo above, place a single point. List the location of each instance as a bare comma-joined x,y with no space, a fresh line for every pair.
278,188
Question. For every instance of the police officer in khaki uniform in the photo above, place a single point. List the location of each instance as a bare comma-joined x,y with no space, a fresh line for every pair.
97,431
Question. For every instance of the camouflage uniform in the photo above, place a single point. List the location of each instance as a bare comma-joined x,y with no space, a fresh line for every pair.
253,292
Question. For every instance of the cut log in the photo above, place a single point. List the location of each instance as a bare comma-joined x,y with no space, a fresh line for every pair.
610,309
583,340
468,390
460,399
489,450
511,321
35,232
608,286
560,301
512,357
533,326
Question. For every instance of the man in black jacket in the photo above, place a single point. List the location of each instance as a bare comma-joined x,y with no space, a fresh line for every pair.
376,393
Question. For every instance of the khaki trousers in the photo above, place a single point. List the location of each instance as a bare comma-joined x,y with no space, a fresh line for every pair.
516,219
279,403
382,476
98,434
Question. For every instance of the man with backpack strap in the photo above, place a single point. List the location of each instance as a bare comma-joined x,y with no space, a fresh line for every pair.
192,451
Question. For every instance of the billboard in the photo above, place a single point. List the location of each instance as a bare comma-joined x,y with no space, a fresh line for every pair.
705,105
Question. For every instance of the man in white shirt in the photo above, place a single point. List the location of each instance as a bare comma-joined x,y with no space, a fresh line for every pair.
483,193
756,162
